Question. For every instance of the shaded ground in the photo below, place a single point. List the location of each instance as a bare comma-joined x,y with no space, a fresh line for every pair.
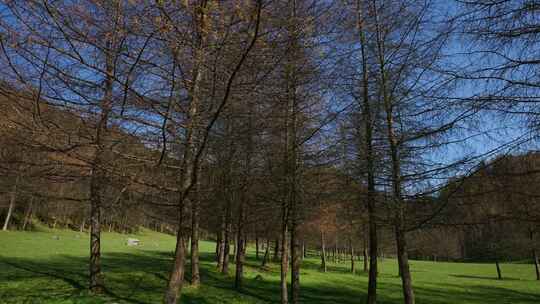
39,268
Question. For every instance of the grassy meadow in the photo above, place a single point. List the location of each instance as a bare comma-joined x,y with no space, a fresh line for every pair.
50,266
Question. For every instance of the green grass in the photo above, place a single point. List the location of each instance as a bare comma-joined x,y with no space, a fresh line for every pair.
37,268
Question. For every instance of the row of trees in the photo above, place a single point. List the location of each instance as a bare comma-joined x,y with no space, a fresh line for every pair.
260,120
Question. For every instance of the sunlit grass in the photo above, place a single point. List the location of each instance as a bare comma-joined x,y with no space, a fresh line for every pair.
51,267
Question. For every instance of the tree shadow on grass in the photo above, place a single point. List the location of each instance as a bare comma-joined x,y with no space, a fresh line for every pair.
475,277
454,293
128,278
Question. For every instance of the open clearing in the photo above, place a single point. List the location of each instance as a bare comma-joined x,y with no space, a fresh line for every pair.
50,266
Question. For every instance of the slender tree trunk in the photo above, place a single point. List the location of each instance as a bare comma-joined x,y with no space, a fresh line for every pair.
369,159
403,263
284,257
96,280
218,245
276,250
28,216
323,252
221,243
256,246
235,248
10,211
534,254
266,253
96,175
83,224
335,251
296,256
227,241
176,279
366,259
499,274
353,269
536,264
240,256
365,250
195,277
12,199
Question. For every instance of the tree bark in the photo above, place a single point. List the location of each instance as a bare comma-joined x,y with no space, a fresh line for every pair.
226,243
536,264
353,269
240,255
296,256
403,263
365,250
256,247
176,279
534,254
12,199
276,250
323,252
218,245
83,224
221,243
266,253
96,280
195,277
28,215
369,159
284,257
97,175
499,274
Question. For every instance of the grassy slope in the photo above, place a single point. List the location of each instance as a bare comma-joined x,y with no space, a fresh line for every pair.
37,268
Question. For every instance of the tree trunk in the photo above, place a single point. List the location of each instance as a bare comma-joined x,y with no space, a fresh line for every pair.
221,244
195,277
276,250
176,279
266,253
536,264
296,256
28,215
353,270
240,250
256,247
323,252
499,275
366,259
240,260
12,198
83,224
96,280
240,255
369,159
234,253
534,254
403,263
227,241
284,258
365,251
189,169
335,254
